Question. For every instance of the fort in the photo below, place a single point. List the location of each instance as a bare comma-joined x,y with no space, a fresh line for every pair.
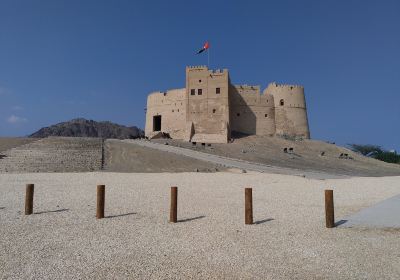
209,109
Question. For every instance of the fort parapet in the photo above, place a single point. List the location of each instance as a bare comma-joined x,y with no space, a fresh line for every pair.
210,108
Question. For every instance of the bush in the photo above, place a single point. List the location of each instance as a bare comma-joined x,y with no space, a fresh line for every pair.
388,157
376,152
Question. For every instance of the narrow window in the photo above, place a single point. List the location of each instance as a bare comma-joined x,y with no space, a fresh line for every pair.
282,102
192,91
266,115
214,111
172,111
199,91
238,114
218,90
199,81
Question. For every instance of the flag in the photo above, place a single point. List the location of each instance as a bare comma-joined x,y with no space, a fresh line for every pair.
205,47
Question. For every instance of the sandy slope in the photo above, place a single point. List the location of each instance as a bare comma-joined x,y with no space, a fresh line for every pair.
12,142
306,155
65,241
124,157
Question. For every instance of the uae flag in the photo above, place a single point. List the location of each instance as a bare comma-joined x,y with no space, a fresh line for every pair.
205,47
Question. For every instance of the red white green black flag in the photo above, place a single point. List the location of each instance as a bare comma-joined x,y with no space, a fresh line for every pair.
205,47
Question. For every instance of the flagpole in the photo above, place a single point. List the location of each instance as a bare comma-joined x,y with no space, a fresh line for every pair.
208,58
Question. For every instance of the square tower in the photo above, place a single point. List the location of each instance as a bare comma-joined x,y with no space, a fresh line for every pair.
207,111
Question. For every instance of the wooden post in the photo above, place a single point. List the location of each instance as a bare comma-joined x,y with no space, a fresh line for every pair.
101,189
329,209
173,214
248,206
29,199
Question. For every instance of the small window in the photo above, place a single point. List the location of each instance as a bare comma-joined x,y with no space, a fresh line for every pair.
238,114
192,91
199,91
178,110
266,115
282,102
199,81
214,111
172,111
218,90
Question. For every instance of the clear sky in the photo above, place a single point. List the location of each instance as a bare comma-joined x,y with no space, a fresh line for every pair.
99,59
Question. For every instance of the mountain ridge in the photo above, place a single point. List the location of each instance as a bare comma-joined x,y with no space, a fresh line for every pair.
81,127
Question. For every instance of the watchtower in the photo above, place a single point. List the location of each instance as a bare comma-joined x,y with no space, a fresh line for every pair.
207,111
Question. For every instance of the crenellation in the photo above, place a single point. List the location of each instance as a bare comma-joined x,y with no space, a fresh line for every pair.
285,86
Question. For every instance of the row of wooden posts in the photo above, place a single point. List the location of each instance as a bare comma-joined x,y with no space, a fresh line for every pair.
173,215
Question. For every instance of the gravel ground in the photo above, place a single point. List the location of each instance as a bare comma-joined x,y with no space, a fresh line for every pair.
63,240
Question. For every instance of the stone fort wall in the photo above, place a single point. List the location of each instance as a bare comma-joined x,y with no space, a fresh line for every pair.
171,106
209,108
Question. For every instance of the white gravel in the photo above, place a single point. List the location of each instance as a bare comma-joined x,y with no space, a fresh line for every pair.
63,240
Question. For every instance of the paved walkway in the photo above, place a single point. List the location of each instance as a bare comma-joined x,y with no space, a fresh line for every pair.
385,214
234,163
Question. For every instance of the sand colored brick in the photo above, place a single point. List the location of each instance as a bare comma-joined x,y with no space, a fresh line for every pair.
210,108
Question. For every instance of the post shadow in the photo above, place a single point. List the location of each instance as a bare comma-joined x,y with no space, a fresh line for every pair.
120,215
51,211
341,222
191,219
263,221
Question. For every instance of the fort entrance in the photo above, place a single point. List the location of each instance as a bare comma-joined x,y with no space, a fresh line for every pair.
156,123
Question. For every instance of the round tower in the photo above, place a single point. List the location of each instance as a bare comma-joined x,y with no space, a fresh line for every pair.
290,110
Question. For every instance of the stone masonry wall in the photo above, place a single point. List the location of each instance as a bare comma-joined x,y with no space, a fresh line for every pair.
210,107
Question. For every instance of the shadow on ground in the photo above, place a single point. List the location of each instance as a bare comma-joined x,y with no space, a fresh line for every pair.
51,211
263,221
191,219
341,222
120,215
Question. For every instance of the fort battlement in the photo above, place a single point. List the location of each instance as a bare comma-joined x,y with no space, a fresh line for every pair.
247,87
197,67
285,86
209,108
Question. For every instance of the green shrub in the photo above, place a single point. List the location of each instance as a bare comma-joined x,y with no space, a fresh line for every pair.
388,157
376,152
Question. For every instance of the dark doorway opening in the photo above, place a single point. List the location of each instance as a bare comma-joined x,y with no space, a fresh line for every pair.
156,123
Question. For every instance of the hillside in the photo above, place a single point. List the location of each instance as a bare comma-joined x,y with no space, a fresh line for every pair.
89,128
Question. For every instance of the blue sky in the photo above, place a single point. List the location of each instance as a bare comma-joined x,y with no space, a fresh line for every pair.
99,59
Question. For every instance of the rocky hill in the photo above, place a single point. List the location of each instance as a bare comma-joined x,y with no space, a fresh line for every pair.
89,128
